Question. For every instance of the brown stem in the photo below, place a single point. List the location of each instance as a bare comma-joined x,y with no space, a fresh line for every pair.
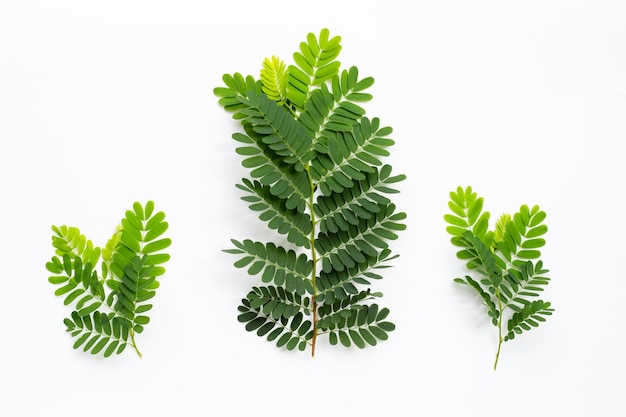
313,259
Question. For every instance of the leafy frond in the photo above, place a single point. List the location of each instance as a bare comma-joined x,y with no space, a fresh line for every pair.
136,286
141,234
331,313
236,87
530,316
297,226
520,283
479,257
274,78
284,180
340,210
488,299
506,258
131,261
315,63
290,333
347,249
358,324
351,155
109,251
333,109
523,236
78,283
467,214
98,332
277,265
500,232
70,241
278,302
339,285
277,129
317,177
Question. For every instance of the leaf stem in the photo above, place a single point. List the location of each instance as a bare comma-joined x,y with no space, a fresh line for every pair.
495,365
133,344
291,108
313,258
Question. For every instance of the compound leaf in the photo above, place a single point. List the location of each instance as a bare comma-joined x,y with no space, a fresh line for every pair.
506,258
315,64
274,77
105,323
318,178
530,316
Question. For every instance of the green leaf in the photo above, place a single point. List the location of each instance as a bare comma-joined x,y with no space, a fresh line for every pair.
317,178
281,266
530,316
131,261
507,259
274,77
295,225
315,64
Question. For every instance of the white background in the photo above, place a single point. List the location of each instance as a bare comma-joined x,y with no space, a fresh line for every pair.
103,104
